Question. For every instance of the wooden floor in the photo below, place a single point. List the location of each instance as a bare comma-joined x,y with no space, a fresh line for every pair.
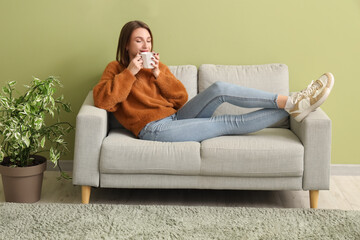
344,194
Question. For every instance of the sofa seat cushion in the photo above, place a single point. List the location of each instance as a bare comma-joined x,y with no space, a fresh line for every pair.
121,152
271,152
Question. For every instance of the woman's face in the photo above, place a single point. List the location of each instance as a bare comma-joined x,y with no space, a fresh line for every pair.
140,41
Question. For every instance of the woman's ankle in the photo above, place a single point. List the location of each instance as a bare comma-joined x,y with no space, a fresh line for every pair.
281,101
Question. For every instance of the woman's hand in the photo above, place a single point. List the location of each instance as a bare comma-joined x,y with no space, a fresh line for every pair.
156,59
136,64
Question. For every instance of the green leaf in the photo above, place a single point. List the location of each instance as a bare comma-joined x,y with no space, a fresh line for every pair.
65,176
38,123
12,83
17,136
6,90
54,155
2,155
67,107
61,98
52,102
43,142
26,141
51,112
36,81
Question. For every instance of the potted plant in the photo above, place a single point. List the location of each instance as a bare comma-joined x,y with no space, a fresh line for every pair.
24,134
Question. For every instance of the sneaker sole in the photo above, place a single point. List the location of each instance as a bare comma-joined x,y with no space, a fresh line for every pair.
332,80
302,115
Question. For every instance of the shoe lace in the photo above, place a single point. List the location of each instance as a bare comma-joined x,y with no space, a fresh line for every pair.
312,87
296,97
308,91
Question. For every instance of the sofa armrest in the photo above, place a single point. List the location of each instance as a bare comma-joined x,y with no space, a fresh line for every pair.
91,129
315,134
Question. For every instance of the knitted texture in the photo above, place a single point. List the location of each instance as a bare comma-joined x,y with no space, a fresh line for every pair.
140,99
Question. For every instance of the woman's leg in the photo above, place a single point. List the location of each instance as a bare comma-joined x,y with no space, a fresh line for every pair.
193,122
205,103
198,129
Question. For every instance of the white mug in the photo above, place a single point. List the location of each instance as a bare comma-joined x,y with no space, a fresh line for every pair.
146,57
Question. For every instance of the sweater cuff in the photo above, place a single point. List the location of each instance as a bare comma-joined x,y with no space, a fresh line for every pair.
128,74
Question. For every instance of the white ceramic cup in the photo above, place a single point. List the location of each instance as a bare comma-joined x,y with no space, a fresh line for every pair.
146,56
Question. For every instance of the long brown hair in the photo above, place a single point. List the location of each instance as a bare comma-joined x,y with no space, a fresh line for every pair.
122,55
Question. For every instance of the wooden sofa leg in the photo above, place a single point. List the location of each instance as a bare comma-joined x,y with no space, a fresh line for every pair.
314,198
85,194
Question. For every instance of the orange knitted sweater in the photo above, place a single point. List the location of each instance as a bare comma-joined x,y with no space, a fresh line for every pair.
140,99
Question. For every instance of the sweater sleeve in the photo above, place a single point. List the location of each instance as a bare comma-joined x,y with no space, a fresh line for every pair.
171,88
113,88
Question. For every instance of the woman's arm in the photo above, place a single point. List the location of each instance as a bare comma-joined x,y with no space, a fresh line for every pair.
114,87
171,88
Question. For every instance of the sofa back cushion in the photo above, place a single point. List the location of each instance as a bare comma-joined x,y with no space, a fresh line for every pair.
268,77
187,74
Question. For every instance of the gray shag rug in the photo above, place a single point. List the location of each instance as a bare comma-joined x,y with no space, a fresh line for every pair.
105,221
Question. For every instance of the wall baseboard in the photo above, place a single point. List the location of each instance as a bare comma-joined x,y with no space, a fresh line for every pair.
345,169
336,169
66,166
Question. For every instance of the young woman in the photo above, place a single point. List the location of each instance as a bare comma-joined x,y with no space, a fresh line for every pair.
151,103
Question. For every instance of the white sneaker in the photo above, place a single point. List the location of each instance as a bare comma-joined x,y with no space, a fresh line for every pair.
312,97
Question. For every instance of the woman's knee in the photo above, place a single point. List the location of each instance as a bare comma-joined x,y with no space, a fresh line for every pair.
219,87
219,84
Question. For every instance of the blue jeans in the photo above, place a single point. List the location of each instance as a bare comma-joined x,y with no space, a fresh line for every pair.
194,121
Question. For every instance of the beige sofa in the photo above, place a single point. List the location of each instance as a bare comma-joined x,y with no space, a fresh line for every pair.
286,156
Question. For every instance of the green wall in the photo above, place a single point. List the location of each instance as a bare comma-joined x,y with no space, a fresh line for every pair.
75,39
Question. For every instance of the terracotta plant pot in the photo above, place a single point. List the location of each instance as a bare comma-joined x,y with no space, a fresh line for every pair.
23,184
